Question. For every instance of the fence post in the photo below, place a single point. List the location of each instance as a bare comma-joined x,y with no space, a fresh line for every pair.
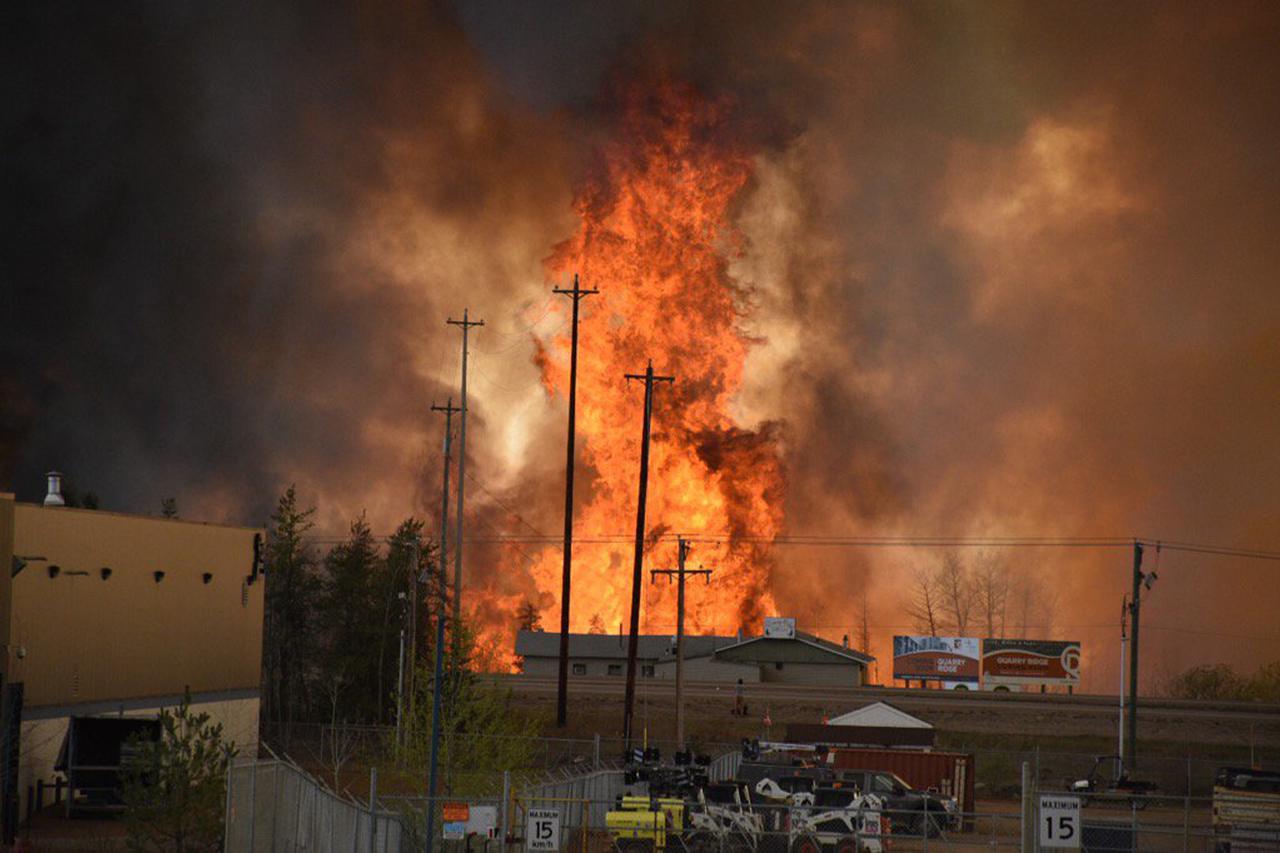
253,801
226,815
373,809
1186,823
299,790
275,802
1028,811
506,804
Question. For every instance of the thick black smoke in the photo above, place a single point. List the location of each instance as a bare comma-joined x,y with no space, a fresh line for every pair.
196,303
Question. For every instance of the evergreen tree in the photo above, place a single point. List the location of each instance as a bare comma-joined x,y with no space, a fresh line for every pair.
528,618
175,787
292,595
351,611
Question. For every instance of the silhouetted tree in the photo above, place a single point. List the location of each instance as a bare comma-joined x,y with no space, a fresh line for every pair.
292,596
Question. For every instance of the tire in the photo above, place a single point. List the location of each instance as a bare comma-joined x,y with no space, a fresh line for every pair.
701,842
635,845
849,844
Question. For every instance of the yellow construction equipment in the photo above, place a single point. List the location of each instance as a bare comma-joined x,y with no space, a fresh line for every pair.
648,823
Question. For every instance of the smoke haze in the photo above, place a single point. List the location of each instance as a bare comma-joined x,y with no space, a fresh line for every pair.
1011,269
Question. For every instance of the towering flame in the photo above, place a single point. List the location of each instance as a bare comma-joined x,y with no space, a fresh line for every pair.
654,237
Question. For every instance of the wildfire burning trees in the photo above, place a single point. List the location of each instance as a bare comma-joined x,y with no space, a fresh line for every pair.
910,281
655,236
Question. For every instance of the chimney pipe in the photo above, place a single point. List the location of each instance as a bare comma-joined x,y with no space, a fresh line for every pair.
54,495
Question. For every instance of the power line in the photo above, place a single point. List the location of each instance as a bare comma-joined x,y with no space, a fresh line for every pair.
888,542
504,506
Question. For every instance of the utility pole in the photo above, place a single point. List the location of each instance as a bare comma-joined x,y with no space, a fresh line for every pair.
438,680
637,575
562,694
1124,610
1134,605
411,571
466,325
681,573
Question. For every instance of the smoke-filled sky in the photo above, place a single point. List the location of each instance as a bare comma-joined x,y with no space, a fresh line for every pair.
1010,269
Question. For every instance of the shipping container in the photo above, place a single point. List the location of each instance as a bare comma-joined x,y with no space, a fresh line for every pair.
949,773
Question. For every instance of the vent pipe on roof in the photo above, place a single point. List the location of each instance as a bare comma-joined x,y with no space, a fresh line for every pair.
54,495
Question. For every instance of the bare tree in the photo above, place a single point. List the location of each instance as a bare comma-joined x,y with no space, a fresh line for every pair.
924,608
956,592
864,625
340,739
1034,603
991,592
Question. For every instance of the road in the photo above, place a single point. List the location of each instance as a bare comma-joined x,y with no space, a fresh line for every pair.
1180,709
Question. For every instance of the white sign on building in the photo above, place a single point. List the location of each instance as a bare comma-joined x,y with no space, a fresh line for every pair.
780,627
542,832
1059,821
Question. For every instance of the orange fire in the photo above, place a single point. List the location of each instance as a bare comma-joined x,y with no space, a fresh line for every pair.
654,237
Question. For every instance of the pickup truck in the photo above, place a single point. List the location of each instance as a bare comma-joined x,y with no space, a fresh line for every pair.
1246,809
905,806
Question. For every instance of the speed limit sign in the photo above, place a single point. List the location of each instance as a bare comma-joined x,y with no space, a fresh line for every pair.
1059,821
542,832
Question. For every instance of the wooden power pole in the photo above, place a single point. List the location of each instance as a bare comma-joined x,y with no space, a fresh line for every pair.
466,325
437,683
562,693
681,573
637,576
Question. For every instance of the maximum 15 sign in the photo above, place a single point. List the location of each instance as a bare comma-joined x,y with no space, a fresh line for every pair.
1059,821
542,831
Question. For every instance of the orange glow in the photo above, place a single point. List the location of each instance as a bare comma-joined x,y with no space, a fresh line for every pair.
654,237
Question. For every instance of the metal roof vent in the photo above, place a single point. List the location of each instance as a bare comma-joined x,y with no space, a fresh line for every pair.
54,495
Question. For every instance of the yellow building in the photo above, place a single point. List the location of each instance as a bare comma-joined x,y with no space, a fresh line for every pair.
111,614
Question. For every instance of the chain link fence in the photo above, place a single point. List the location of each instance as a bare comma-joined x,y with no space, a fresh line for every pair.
273,805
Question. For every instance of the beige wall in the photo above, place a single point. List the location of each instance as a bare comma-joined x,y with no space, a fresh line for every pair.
42,737
819,674
707,668
87,639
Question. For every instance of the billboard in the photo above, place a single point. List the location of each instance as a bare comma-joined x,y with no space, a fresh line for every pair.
1030,662
936,658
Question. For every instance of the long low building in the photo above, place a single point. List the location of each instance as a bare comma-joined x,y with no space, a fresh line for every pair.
780,655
